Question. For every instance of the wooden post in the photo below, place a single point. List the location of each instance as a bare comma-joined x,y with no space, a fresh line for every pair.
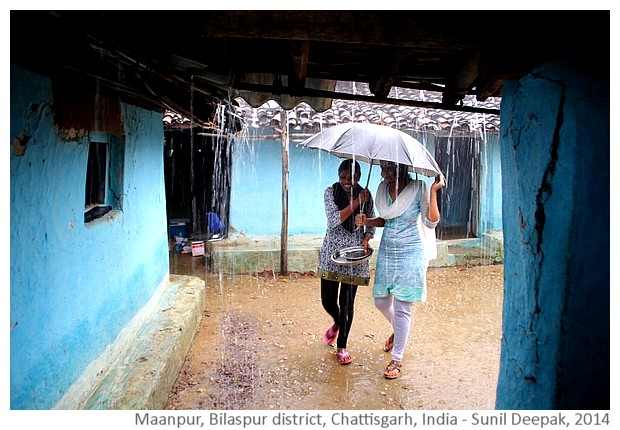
284,231
192,178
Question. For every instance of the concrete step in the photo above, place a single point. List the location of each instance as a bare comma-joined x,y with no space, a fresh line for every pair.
143,373
248,255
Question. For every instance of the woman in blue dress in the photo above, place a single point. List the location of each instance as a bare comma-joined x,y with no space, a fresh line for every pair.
343,200
407,213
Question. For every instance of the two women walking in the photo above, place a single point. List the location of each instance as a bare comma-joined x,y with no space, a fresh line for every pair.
408,211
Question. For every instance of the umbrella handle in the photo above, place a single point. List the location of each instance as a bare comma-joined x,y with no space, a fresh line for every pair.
369,172
367,182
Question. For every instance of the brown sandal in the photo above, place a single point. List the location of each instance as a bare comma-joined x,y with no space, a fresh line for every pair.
393,366
389,343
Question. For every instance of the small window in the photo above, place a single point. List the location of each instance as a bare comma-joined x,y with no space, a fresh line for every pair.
96,173
104,174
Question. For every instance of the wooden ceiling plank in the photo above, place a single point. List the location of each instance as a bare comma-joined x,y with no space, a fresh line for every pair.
299,64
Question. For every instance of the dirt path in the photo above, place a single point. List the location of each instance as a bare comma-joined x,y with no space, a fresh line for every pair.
259,346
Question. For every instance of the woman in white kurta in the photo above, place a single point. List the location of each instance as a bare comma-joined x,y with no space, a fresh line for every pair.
407,212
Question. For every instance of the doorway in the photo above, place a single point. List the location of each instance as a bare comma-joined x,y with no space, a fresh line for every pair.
197,169
459,159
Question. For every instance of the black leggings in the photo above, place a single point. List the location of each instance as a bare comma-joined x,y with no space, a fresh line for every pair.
339,306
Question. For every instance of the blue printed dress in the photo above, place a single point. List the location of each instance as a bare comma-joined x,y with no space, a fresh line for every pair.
401,263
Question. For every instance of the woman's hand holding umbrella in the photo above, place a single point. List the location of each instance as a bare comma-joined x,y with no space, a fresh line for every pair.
360,220
364,197
433,209
439,183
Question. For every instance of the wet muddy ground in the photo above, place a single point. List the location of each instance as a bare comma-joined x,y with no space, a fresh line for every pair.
259,346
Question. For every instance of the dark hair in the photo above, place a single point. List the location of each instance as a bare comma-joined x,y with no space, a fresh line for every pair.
347,164
401,169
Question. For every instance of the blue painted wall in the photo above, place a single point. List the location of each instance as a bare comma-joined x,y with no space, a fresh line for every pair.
555,165
490,184
75,286
256,193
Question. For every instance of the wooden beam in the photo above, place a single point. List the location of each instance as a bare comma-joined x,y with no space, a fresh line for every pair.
308,92
387,70
422,29
458,88
491,89
299,64
468,73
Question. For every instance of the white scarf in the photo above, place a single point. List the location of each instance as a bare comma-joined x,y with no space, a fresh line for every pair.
400,204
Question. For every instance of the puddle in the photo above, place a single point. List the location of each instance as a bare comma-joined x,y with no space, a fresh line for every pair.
259,346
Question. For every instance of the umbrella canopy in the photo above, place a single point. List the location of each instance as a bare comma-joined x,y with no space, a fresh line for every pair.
374,143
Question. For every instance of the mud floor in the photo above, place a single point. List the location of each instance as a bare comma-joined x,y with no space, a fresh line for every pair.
259,346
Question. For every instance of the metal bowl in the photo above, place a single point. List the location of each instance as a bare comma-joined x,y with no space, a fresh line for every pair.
351,256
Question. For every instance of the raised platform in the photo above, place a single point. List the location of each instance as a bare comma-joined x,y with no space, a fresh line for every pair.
141,368
246,255
138,371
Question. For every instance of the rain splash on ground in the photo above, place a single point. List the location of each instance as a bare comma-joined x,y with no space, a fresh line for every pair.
259,346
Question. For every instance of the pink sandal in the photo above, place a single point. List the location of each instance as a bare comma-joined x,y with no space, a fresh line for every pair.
330,335
344,357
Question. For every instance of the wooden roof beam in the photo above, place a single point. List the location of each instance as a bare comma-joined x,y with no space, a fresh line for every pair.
458,88
388,67
299,65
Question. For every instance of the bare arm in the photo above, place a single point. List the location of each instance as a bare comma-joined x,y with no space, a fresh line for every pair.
433,208
345,213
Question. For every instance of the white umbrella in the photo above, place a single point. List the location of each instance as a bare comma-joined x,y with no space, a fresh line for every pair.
374,143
